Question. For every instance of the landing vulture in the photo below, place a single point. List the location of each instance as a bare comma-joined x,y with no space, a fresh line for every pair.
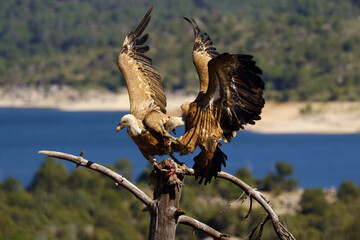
236,80
233,78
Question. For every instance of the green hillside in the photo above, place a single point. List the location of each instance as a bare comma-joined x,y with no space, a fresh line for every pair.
307,49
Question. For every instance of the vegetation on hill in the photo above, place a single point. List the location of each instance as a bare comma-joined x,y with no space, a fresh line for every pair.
307,49
83,204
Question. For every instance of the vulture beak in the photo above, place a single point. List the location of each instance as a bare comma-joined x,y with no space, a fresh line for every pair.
119,127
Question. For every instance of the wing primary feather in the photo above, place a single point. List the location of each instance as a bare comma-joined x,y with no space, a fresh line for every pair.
194,27
143,49
143,23
142,39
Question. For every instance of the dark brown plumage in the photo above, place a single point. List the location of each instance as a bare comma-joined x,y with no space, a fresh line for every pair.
237,80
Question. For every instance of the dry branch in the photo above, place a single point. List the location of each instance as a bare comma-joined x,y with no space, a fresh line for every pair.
202,227
80,161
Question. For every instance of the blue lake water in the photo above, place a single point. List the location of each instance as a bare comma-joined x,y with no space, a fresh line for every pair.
318,160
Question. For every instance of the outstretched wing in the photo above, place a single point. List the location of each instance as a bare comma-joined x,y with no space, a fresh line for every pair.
241,91
237,80
203,52
142,80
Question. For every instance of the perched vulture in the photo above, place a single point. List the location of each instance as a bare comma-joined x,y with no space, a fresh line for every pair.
230,97
236,80
147,124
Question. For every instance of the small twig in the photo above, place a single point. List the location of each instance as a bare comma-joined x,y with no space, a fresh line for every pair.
202,227
287,233
80,161
250,208
261,225
228,206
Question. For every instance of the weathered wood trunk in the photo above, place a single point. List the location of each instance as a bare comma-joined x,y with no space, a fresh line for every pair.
167,192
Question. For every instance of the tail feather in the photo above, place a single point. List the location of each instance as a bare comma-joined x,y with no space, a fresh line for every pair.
211,169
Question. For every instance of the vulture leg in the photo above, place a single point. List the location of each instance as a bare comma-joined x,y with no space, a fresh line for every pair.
168,135
152,159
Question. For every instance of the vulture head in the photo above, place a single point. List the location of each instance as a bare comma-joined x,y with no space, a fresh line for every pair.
131,123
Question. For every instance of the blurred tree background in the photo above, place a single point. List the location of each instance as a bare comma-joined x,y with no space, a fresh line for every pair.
83,204
307,49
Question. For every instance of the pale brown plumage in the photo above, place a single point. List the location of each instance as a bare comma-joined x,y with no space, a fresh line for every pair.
208,121
148,124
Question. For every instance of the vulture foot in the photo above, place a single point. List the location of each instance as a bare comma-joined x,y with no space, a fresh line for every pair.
170,137
153,161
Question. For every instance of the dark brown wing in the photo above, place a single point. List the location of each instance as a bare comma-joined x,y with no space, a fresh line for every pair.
241,91
237,80
203,52
142,80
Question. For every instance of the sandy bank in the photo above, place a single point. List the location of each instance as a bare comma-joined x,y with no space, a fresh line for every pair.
294,117
299,117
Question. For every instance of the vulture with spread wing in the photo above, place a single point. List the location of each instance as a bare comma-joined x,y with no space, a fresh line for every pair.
147,124
233,78
236,80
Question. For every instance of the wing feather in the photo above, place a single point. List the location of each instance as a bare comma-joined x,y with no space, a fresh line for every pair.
241,91
203,52
142,80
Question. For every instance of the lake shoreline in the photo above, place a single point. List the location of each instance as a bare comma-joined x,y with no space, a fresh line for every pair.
281,118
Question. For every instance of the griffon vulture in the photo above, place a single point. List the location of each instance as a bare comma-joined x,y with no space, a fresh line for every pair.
236,80
147,124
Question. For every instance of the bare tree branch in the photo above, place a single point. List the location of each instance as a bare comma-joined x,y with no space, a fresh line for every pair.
80,161
228,206
202,227
280,230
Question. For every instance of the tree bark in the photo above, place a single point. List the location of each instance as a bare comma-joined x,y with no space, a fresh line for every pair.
168,183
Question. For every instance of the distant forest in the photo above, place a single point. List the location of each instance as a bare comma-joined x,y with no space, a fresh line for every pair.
308,49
